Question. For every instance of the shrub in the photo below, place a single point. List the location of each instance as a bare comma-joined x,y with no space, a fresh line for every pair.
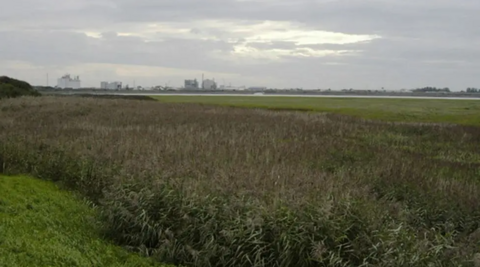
10,88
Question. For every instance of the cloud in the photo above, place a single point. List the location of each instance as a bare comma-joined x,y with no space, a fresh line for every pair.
303,43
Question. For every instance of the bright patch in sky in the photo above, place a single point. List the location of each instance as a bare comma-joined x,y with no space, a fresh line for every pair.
278,54
270,31
241,35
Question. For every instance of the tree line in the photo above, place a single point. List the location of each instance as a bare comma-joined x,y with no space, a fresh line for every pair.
10,88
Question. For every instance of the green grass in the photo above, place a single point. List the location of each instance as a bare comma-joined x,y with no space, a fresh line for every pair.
466,112
41,225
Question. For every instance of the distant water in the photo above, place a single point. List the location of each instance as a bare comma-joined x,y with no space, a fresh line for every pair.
299,95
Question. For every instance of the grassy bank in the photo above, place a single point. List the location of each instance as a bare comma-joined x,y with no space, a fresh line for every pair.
43,226
205,185
465,112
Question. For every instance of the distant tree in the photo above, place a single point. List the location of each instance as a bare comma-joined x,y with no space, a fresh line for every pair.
431,89
10,88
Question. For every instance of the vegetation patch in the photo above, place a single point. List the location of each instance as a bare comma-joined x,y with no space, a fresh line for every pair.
107,96
41,225
10,88
466,112
202,185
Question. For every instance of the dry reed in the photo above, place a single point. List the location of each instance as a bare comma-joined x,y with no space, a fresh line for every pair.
211,186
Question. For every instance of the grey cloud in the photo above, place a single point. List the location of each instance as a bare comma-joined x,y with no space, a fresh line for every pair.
359,16
423,42
69,48
195,31
407,17
273,45
415,50
109,35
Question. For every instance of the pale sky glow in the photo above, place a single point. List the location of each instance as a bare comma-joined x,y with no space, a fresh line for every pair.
306,43
270,31
279,54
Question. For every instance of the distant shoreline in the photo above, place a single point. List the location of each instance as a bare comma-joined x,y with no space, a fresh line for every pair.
280,93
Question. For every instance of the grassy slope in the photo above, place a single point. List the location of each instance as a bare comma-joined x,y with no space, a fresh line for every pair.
465,112
43,226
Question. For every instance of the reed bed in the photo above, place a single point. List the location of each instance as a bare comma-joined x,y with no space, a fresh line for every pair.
199,185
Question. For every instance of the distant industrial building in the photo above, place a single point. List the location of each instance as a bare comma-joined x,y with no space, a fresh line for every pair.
69,82
257,88
232,88
191,84
209,84
111,86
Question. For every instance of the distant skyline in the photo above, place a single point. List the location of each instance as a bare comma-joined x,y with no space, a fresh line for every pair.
367,44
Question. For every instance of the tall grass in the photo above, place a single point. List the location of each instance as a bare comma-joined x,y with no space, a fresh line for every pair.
213,186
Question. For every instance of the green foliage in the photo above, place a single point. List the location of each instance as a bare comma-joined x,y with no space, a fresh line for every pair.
10,88
43,226
201,185
466,112
432,89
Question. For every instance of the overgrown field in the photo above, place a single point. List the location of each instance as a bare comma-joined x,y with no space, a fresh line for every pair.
205,185
465,112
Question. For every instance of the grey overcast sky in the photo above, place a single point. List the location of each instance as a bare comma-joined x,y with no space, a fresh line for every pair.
276,43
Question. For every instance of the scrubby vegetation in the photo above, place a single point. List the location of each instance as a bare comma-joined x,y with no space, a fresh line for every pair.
43,226
10,88
108,96
465,112
200,185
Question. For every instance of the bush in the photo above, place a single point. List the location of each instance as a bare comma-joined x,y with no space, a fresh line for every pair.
10,88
